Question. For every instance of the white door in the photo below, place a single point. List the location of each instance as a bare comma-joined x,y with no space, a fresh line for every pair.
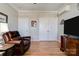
52,29
43,29
24,26
47,29
34,29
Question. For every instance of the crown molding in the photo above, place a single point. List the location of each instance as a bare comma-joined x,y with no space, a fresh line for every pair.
36,11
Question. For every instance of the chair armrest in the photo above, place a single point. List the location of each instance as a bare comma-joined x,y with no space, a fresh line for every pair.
15,42
27,38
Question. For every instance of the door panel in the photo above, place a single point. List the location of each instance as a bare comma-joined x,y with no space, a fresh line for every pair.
52,28
24,26
43,28
34,30
47,29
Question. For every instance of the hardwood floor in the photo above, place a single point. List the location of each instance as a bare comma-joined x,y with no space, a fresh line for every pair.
46,48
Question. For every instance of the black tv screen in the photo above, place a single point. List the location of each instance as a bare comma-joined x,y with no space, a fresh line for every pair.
71,26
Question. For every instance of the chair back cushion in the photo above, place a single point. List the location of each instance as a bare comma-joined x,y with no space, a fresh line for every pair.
6,37
14,34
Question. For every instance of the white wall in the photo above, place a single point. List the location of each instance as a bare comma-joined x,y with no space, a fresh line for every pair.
12,16
34,32
71,13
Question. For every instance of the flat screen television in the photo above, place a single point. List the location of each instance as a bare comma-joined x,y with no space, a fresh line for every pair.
71,26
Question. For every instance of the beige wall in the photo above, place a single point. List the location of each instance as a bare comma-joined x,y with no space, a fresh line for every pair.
12,16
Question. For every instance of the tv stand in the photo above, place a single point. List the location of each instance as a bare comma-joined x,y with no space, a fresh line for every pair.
70,45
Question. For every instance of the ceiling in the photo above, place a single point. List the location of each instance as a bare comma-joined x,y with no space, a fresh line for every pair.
37,6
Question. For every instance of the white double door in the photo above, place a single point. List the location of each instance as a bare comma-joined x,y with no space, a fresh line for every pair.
47,29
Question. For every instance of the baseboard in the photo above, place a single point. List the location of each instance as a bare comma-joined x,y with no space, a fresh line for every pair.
35,40
44,40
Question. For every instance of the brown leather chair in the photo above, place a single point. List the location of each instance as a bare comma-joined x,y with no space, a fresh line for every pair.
22,44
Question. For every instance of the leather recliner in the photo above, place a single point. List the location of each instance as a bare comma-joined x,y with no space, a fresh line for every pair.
22,44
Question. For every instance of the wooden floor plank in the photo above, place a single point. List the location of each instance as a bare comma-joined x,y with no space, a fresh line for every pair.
47,48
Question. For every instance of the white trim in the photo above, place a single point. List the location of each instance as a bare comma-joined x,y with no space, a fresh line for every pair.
35,11
44,40
35,40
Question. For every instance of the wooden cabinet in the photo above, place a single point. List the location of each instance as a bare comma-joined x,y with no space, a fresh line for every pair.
63,43
77,48
70,45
